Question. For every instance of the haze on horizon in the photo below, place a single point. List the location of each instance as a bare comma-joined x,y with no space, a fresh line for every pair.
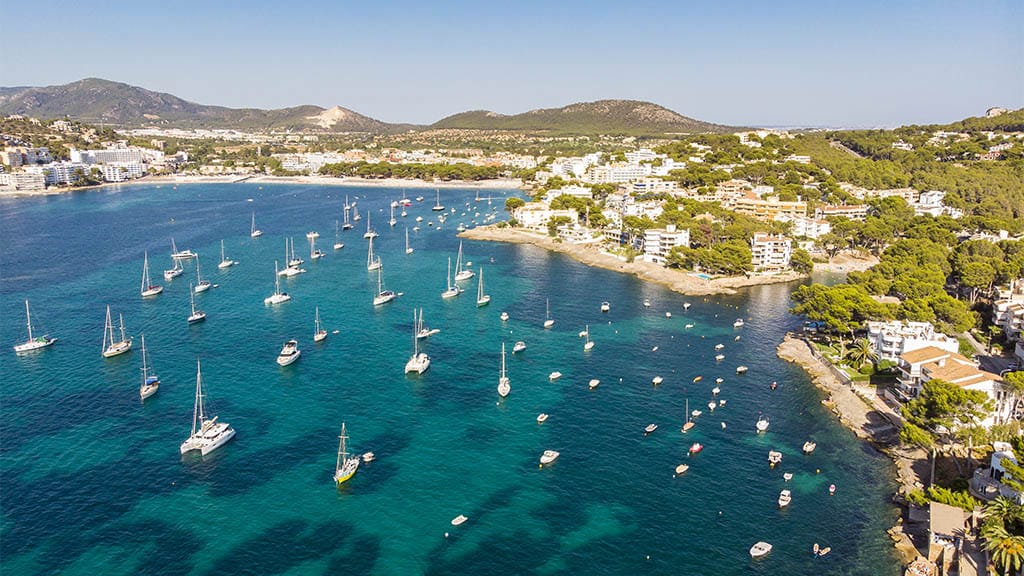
851,64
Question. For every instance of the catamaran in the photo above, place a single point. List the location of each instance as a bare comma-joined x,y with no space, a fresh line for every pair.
372,262
277,297
481,298
33,342
504,385
201,285
408,249
254,232
148,288
346,467
437,206
460,274
370,233
225,262
419,361
110,347
383,296
196,315
452,290
207,434
548,322
346,225
150,382
180,255
319,334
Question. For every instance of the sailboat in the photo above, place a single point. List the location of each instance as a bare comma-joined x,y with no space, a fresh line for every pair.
423,331
481,298
207,434
419,361
319,334
689,423
254,232
201,285
148,288
383,296
504,385
452,290
355,214
372,263
590,343
392,221
277,297
196,315
181,255
346,225
150,382
314,252
295,261
33,342
460,274
369,231
408,249
437,206
338,244
225,262
548,322
175,270
110,347
346,467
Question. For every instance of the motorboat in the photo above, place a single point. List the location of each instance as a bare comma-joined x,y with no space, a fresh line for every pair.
719,346
809,447
831,489
518,347
504,316
762,424
760,549
657,380
181,254
741,369
787,476
647,304
738,323
711,406
697,379
605,306
695,413
554,375
774,458
715,391
785,497
719,357
682,468
289,353
668,314
369,457
688,326
686,305
650,428
548,457
542,418
719,380
594,383
696,447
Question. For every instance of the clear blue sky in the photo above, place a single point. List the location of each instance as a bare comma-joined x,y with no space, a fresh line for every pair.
858,63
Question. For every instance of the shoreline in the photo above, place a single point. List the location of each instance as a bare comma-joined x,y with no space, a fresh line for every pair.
861,411
174,179
590,255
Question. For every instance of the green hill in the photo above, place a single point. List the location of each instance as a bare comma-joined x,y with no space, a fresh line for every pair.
630,117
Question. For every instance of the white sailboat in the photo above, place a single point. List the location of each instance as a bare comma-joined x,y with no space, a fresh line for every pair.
481,298
422,331
383,296
201,285
319,334
548,322
460,274
314,252
355,214
408,249
182,254
504,385
225,262
207,434
372,262
392,221
689,422
277,297
175,270
452,290
419,361
590,343
110,347
34,342
338,244
437,206
370,233
148,288
253,231
346,225
294,261
346,467
196,315
150,382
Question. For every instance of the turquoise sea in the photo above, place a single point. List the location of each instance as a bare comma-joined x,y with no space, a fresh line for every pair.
91,481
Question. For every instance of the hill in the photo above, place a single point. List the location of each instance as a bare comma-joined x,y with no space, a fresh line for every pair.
631,117
101,101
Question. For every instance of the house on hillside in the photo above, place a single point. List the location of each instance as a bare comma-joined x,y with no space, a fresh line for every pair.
890,340
987,483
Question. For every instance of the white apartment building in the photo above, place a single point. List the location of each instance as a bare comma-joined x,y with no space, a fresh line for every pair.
122,171
535,215
572,190
804,226
931,363
890,340
658,242
1008,314
856,212
654,185
58,173
21,181
770,253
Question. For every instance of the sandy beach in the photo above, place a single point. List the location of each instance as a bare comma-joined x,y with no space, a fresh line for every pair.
591,255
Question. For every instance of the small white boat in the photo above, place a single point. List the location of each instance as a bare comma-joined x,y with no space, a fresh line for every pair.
518,347
419,362
785,497
655,349
719,346
762,424
452,290
719,380
481,298
319,334
738,323
688,326
594,383
668,314
253,231
201,285
313,234
719,357
542,418
590,343
369,457
462,274
650,428
647,304
737,338
723,425
605,306
289,353
554,375
715,391
548,322
774,458
181,254
787,476
113,348
504,316
277,297
583,333
383,296
548,457
196,315
657,380
459,520
760,549
682,468
686,305
148,288
695,413
150,382
712,406
34,342
696,448
809,447
741,369
721,402
504,384
225,262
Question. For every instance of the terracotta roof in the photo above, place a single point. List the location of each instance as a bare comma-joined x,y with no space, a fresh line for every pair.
927,353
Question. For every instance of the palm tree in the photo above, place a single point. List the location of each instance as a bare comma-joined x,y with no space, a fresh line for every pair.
861,353
1007,551
1003,511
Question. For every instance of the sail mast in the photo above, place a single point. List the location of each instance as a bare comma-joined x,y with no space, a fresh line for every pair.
28,320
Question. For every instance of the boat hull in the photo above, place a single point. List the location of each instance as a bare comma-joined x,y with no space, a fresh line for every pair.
117,349
34,344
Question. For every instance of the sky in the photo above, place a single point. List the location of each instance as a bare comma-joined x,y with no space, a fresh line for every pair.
834,63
